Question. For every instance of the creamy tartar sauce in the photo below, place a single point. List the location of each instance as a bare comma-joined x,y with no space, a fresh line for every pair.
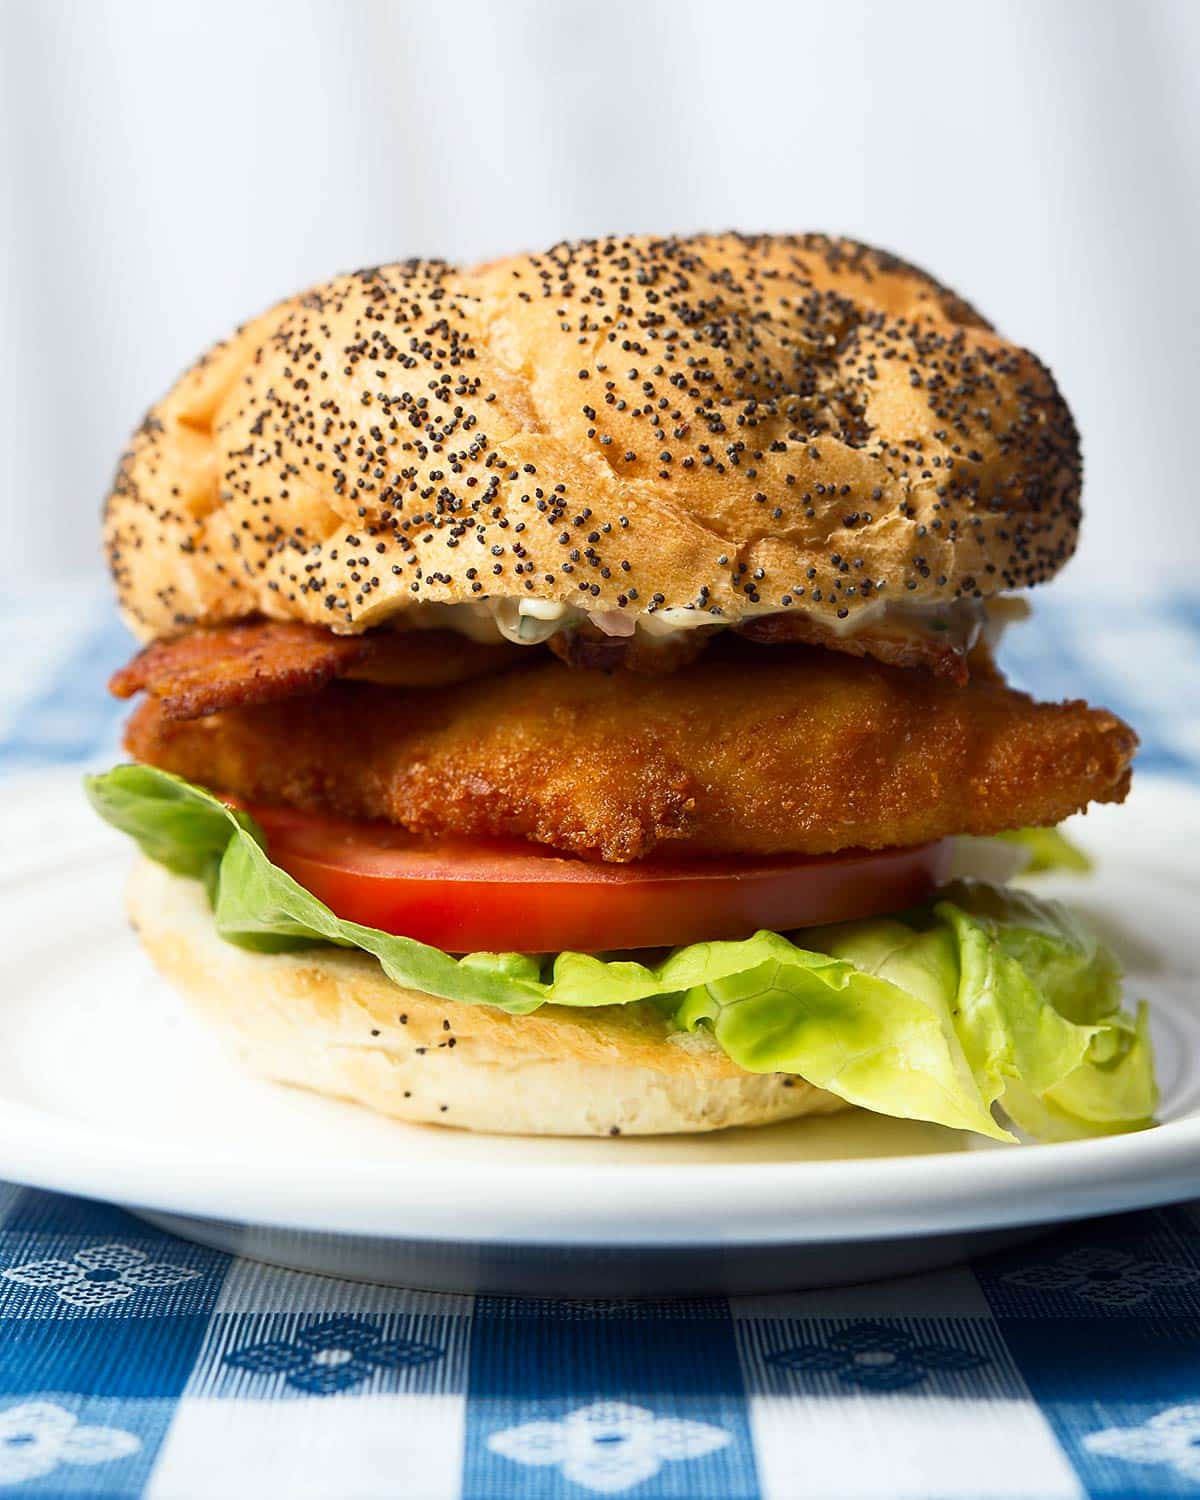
529,622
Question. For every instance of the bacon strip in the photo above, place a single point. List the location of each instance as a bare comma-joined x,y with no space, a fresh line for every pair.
265,661
590,650
889,641
895,642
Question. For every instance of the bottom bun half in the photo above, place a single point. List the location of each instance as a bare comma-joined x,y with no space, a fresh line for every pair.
330,1020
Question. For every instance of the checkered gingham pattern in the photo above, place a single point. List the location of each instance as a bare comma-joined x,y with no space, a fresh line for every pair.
133,1364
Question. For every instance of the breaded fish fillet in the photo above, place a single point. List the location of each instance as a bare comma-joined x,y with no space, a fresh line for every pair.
795,750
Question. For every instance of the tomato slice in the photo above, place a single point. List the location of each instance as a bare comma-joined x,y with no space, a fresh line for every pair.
471,895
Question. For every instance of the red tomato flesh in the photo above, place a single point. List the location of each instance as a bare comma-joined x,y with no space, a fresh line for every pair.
474,895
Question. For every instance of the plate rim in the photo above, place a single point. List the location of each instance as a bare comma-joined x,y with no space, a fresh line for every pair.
658,1203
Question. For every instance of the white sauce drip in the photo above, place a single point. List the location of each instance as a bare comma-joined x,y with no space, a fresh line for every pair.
530,622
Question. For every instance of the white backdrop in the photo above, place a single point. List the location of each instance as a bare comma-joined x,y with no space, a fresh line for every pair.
170,168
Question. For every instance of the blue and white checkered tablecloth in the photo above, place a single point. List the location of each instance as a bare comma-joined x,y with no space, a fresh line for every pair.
132,1363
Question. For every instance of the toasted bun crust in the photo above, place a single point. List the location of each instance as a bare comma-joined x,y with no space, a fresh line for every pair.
331,1021
736,424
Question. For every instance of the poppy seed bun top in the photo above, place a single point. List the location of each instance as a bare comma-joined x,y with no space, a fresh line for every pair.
721,424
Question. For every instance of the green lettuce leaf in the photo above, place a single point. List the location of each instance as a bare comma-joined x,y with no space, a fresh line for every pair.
1048,849
985,997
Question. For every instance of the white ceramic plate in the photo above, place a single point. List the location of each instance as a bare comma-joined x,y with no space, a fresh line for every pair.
107,1089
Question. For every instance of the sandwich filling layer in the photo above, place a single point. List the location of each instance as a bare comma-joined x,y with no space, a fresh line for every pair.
750,751
726,811
977,999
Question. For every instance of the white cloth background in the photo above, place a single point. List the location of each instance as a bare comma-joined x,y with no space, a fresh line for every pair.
170,168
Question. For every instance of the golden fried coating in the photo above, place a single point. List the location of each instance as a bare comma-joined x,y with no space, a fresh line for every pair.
745,752
262,662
